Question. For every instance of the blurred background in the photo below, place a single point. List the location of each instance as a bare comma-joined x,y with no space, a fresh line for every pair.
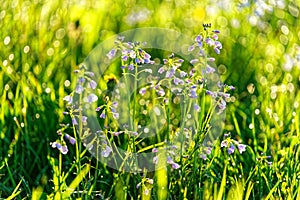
42,42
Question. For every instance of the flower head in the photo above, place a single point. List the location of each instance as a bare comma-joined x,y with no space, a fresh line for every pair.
230,150
241,148
105,153
111,54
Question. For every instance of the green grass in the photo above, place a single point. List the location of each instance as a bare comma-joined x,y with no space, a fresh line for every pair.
43,42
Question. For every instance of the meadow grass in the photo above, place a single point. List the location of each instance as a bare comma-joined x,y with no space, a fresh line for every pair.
43,42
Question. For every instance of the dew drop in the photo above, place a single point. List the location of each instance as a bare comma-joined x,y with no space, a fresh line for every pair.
47,90
26,49
67,83
251,126
6,40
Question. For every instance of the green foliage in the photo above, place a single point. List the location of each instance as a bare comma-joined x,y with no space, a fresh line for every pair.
42,42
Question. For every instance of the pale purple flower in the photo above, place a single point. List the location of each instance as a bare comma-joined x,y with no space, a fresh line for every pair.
93,84
161,70
222,104
91,74
116,115
194,61
209,41
64,150
138,61
217,50
81,80
79,89
115,104
131,67
124,57
225,95
191,48
215,37
130,44
208,150
175,165
142,91
211,59
170,73
155,160
91,98
197,107
269,163
209,69
150,180
212,94
218,44
105,153
84,119
170,160
230,150
177,81
111,54
241,148
193,93
147,56
68,98
154,150
161,92
98,109
138,185
227,135
134,133
231,87
198,38
224,143
74,122
116,133
132,54
54,144
182,74
203,156
70,138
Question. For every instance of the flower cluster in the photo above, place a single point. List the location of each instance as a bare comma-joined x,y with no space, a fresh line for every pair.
132,54
60,144
85,83
85,86
202,42
264,159
146,184
232,144
220,95
205,152
108,108
170,156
